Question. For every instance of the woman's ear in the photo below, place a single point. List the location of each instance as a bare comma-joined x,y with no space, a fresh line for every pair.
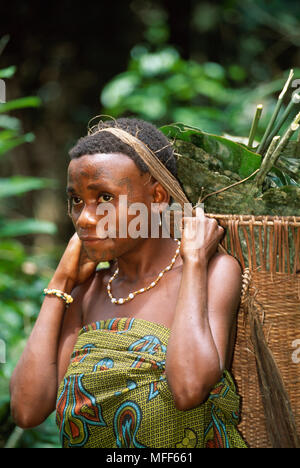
160,194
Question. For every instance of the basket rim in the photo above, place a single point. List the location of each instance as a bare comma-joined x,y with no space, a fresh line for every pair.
258,220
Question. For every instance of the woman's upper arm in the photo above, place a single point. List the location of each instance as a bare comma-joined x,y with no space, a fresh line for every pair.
72,323
224,292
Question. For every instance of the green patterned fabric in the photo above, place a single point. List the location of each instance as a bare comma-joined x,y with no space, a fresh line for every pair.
115,394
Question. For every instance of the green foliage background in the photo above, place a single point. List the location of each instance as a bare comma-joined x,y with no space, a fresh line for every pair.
23,275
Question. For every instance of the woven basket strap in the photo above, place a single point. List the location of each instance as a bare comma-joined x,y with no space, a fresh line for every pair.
246,280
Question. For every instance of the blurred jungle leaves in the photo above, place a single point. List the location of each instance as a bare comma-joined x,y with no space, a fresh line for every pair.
22,275
162,87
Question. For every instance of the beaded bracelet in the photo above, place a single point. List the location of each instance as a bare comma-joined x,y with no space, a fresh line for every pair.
56,292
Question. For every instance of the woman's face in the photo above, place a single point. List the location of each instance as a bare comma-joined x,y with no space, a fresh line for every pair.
103,178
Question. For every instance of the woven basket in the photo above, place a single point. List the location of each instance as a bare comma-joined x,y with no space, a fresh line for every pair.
266,366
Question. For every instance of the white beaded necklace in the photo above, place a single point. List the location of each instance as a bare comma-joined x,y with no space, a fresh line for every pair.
139,291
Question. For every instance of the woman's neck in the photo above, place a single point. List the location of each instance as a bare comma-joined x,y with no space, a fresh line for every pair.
147,259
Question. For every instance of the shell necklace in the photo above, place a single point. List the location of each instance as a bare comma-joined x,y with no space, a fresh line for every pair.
130,296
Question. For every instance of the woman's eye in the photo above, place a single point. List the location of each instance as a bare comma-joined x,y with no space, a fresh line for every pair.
105,197
76,201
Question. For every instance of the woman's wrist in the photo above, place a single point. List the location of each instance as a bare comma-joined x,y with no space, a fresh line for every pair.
61,282
196,261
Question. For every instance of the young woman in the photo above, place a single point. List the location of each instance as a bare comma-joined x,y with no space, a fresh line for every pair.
140,357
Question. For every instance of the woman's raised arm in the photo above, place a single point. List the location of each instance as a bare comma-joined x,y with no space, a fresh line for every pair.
35,380
200,342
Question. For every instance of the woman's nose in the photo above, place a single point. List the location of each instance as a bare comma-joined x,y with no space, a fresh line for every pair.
87,218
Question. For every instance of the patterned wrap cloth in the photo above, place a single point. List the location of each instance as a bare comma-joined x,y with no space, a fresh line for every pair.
115,394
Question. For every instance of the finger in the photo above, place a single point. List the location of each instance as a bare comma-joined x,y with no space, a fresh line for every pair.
201,219
221,232
200,212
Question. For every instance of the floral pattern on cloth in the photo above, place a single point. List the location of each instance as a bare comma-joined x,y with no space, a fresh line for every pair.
115,394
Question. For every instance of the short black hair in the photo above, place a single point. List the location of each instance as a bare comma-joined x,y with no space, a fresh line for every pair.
106,142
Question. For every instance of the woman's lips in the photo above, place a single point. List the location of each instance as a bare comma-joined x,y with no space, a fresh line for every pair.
91,240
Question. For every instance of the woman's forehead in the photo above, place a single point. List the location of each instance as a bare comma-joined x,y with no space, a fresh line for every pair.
97,166
116,171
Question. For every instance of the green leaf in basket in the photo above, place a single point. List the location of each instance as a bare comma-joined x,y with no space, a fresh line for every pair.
280,178
23,227
290,165
232,155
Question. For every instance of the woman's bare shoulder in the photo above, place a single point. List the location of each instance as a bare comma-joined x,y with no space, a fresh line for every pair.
222,262
225,278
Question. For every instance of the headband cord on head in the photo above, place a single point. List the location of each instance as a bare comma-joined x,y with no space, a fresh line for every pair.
157,169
